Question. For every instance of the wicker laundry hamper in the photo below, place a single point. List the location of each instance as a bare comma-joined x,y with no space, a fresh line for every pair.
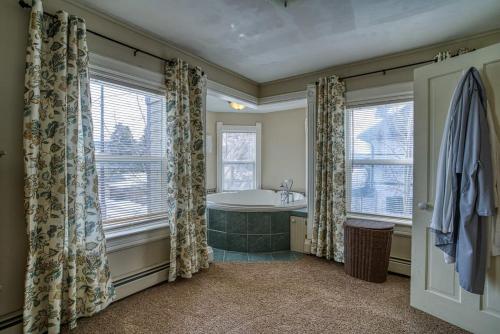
367,245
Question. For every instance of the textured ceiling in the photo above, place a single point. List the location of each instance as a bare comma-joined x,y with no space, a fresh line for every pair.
262,40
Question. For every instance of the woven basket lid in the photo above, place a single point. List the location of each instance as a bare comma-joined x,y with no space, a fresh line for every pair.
369,224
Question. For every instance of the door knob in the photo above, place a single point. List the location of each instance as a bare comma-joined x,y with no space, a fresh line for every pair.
423,205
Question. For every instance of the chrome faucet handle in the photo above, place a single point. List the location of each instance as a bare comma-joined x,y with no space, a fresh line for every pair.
288,183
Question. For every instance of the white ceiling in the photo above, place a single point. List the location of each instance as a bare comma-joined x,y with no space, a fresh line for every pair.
263,41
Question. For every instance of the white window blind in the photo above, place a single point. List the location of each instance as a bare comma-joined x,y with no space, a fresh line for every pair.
129,138
239,160
379,156
238,157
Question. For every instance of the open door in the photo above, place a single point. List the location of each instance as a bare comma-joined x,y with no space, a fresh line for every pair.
434,284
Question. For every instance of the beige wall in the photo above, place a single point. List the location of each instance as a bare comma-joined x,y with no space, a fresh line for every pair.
283,145
284,148
13,246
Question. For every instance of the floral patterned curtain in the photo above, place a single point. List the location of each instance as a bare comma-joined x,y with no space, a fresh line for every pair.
186,193
67,271
444,55
330,208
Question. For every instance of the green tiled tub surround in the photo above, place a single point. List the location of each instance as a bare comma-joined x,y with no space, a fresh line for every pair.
250,232
221,255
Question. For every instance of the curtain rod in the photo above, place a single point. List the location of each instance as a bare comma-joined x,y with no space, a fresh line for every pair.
384,70
23,4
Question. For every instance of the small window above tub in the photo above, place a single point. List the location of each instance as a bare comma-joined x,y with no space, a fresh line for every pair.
238,157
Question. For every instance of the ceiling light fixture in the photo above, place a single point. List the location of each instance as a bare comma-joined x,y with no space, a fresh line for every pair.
236,106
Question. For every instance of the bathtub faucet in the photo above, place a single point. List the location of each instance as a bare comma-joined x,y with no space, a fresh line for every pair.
286,187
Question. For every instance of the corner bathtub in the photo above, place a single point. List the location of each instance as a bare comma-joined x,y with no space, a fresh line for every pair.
255,201
251,220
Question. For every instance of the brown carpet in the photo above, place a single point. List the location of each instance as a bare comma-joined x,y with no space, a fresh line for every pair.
307,296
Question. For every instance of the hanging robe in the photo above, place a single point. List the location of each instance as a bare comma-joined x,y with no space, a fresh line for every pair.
464,186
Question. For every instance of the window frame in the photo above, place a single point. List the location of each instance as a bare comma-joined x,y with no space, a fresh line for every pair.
372,97
143,223
224,128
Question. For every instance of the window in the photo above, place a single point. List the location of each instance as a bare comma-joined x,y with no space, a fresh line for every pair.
129,142
379,156
238,155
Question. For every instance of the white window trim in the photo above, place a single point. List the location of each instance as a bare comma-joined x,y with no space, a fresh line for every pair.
257,129
123,73
380,95
129,235
106,69
368,97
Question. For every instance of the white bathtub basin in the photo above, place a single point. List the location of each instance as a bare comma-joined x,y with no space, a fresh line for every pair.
255,200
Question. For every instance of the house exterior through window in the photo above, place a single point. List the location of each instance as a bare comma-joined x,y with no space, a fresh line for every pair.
379,159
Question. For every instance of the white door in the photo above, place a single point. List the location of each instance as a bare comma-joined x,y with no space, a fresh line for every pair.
434,284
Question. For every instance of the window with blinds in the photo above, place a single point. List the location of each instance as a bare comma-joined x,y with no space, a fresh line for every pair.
239,160
379,159
238,157
129,139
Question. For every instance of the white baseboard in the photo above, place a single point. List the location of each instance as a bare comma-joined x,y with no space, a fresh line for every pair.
400,266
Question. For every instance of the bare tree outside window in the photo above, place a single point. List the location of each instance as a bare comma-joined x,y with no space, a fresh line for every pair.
238,156
239,160
130,150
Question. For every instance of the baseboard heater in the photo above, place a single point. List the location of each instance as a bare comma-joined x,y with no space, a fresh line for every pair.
140,281
124,287
400,266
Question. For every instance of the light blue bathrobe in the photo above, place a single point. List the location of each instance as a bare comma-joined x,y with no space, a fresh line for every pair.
464,186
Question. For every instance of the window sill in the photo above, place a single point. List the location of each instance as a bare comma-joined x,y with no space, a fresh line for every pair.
129,235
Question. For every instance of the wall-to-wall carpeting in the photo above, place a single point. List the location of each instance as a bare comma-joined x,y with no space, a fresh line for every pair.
310,295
